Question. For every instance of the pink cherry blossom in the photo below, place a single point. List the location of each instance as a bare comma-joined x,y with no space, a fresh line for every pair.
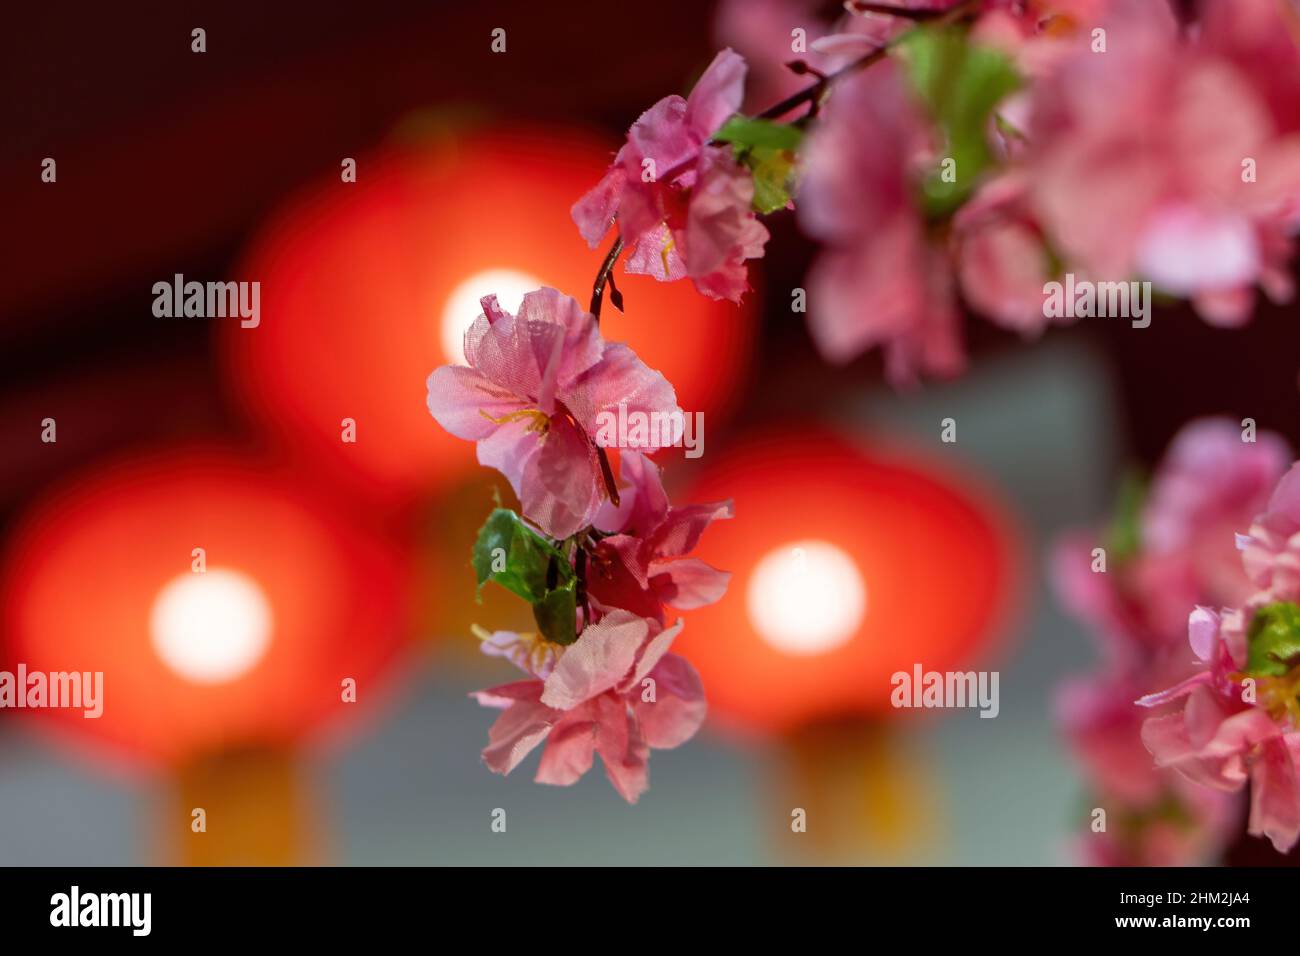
643,565
1002,262
878,281
1271,551
681,205
1208,486
1155,817
533,396
1219,741
764,32
1229,732
1136,157
593,697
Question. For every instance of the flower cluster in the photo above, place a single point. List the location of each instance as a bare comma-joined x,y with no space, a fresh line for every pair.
950,150
683,205
1170,548
599,563
1238,719
1107,139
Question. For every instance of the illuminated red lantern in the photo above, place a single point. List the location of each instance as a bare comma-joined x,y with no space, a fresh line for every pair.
368,286
849,564
232,617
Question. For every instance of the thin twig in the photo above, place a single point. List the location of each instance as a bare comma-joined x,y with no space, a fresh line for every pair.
606,267
607,473
813,93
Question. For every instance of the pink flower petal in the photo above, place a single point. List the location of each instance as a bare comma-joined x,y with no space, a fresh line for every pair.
717,96
570,749
623,752
460,399
680,530
655,253
688,583
722,231
1286,498
678,709
562,490
642,503
651,653
597,661
1185,249
560,337
503,695
1203,632
660,134
594,213
1275,794
514,735
620,378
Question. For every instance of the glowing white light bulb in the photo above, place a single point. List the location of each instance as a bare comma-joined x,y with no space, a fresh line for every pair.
210,627
806,597
462,306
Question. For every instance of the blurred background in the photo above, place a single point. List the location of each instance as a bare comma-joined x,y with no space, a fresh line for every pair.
347,560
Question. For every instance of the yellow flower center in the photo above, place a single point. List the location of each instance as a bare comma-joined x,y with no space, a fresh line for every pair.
1280,696
663,253
541,422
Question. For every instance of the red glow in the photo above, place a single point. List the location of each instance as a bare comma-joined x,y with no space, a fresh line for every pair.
83,572
935,553
355,278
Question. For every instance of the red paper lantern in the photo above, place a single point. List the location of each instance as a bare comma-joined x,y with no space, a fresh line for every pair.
849,565
245,643
367,286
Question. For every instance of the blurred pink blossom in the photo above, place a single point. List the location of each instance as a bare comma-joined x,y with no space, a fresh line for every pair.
1207,487
879,280
1139,158
1153,817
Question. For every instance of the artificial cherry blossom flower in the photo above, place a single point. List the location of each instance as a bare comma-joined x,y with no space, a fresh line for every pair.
765,33
1137,157
1002,262
1155,817
878,281
643,565
682,206
532,397
1220,741
1240,716
615,692
1209,484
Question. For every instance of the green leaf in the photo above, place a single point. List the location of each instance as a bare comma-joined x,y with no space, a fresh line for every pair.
1273,640
530,565
959,83
748,133
515,556
556,614
1124,536
773,171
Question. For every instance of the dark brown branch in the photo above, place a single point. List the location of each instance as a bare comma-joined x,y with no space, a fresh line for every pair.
602,277
813,94
607,473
